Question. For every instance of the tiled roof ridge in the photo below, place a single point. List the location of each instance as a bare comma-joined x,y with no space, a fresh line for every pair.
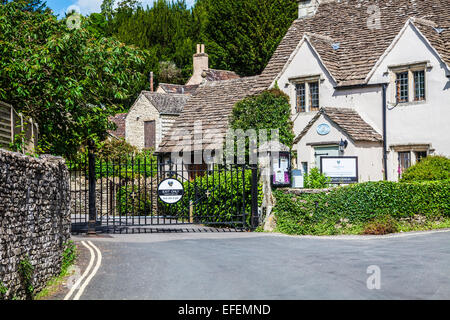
360,47
365,132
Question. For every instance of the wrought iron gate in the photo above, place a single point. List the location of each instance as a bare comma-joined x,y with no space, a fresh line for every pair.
121,196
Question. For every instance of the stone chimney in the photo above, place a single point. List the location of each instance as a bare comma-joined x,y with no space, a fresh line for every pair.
201,63
307,8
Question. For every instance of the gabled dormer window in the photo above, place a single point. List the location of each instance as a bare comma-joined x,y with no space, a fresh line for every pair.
307,94
409,83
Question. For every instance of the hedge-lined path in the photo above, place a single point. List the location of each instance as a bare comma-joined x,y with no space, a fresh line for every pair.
270,266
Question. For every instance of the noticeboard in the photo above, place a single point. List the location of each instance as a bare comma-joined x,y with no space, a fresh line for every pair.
341,170
281,171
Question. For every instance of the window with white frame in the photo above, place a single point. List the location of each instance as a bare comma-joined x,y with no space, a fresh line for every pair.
307,95
409,83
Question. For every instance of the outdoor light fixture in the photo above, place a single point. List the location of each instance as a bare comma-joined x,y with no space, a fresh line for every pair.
343,145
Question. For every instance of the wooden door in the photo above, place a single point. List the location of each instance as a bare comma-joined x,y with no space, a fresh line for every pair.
150,134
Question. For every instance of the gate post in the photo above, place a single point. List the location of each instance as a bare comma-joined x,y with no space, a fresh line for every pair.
92,192
254,218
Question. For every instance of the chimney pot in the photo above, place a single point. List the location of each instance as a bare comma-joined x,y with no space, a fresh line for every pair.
151,82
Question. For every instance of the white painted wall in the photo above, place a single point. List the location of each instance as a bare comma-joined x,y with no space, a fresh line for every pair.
370,155
415,123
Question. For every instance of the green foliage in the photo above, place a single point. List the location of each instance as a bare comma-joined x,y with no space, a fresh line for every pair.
381,226
428,169
69,256
360,204
268,110
116,150
117,159
316,180
3,291
69,81
225,200
242,35
26,270
134,200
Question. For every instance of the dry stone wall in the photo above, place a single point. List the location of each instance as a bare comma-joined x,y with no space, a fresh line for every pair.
34,219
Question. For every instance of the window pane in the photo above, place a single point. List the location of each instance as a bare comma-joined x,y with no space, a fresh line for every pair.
402,87
419,85
314,95
404,162
301,97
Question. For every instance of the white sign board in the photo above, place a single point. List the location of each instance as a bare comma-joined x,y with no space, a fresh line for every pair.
170,191
341,170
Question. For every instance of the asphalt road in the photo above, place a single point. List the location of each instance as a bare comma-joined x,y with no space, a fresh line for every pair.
244,266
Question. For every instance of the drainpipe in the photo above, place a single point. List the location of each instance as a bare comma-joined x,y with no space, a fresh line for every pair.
384,133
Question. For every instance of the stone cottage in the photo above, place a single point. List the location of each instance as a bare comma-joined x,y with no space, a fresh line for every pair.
153,114
151,117
367,79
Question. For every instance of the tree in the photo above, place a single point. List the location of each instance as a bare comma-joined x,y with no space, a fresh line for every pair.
67,80
243,35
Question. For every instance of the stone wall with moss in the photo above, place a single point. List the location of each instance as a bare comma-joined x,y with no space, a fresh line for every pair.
34,221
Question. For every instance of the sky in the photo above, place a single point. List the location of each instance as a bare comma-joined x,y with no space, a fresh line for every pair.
60,7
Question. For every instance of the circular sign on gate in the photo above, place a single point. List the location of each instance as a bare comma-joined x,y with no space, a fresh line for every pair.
170,191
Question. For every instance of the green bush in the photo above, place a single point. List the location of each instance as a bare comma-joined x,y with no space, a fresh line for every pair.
316,180
360,204
133,201
225,201
381,226
428,169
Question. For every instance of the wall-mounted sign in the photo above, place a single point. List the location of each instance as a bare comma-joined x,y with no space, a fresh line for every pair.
341,170
281,171
170,191
323,129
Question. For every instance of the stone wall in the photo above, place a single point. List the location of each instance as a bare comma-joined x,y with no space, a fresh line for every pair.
34,219
140,112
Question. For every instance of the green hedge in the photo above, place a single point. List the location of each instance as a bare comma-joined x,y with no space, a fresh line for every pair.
225,202
133,201
360,203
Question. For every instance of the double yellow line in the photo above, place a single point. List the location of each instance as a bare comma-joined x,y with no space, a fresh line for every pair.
88,274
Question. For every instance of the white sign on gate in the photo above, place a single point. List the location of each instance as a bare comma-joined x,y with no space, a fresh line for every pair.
170,191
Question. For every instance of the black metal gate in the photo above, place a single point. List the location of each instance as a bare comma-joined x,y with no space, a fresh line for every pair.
121,196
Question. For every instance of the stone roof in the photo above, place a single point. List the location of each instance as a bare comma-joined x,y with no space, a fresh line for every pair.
349,121
178,88
212,105
220,75
167,103
119,120
344,26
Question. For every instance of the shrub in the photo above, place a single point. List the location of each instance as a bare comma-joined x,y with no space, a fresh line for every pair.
360,204
225,201
69,256
3,291
133,201
381,226
316,180
428,169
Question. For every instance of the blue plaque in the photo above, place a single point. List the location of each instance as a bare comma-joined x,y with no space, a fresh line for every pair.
323,129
